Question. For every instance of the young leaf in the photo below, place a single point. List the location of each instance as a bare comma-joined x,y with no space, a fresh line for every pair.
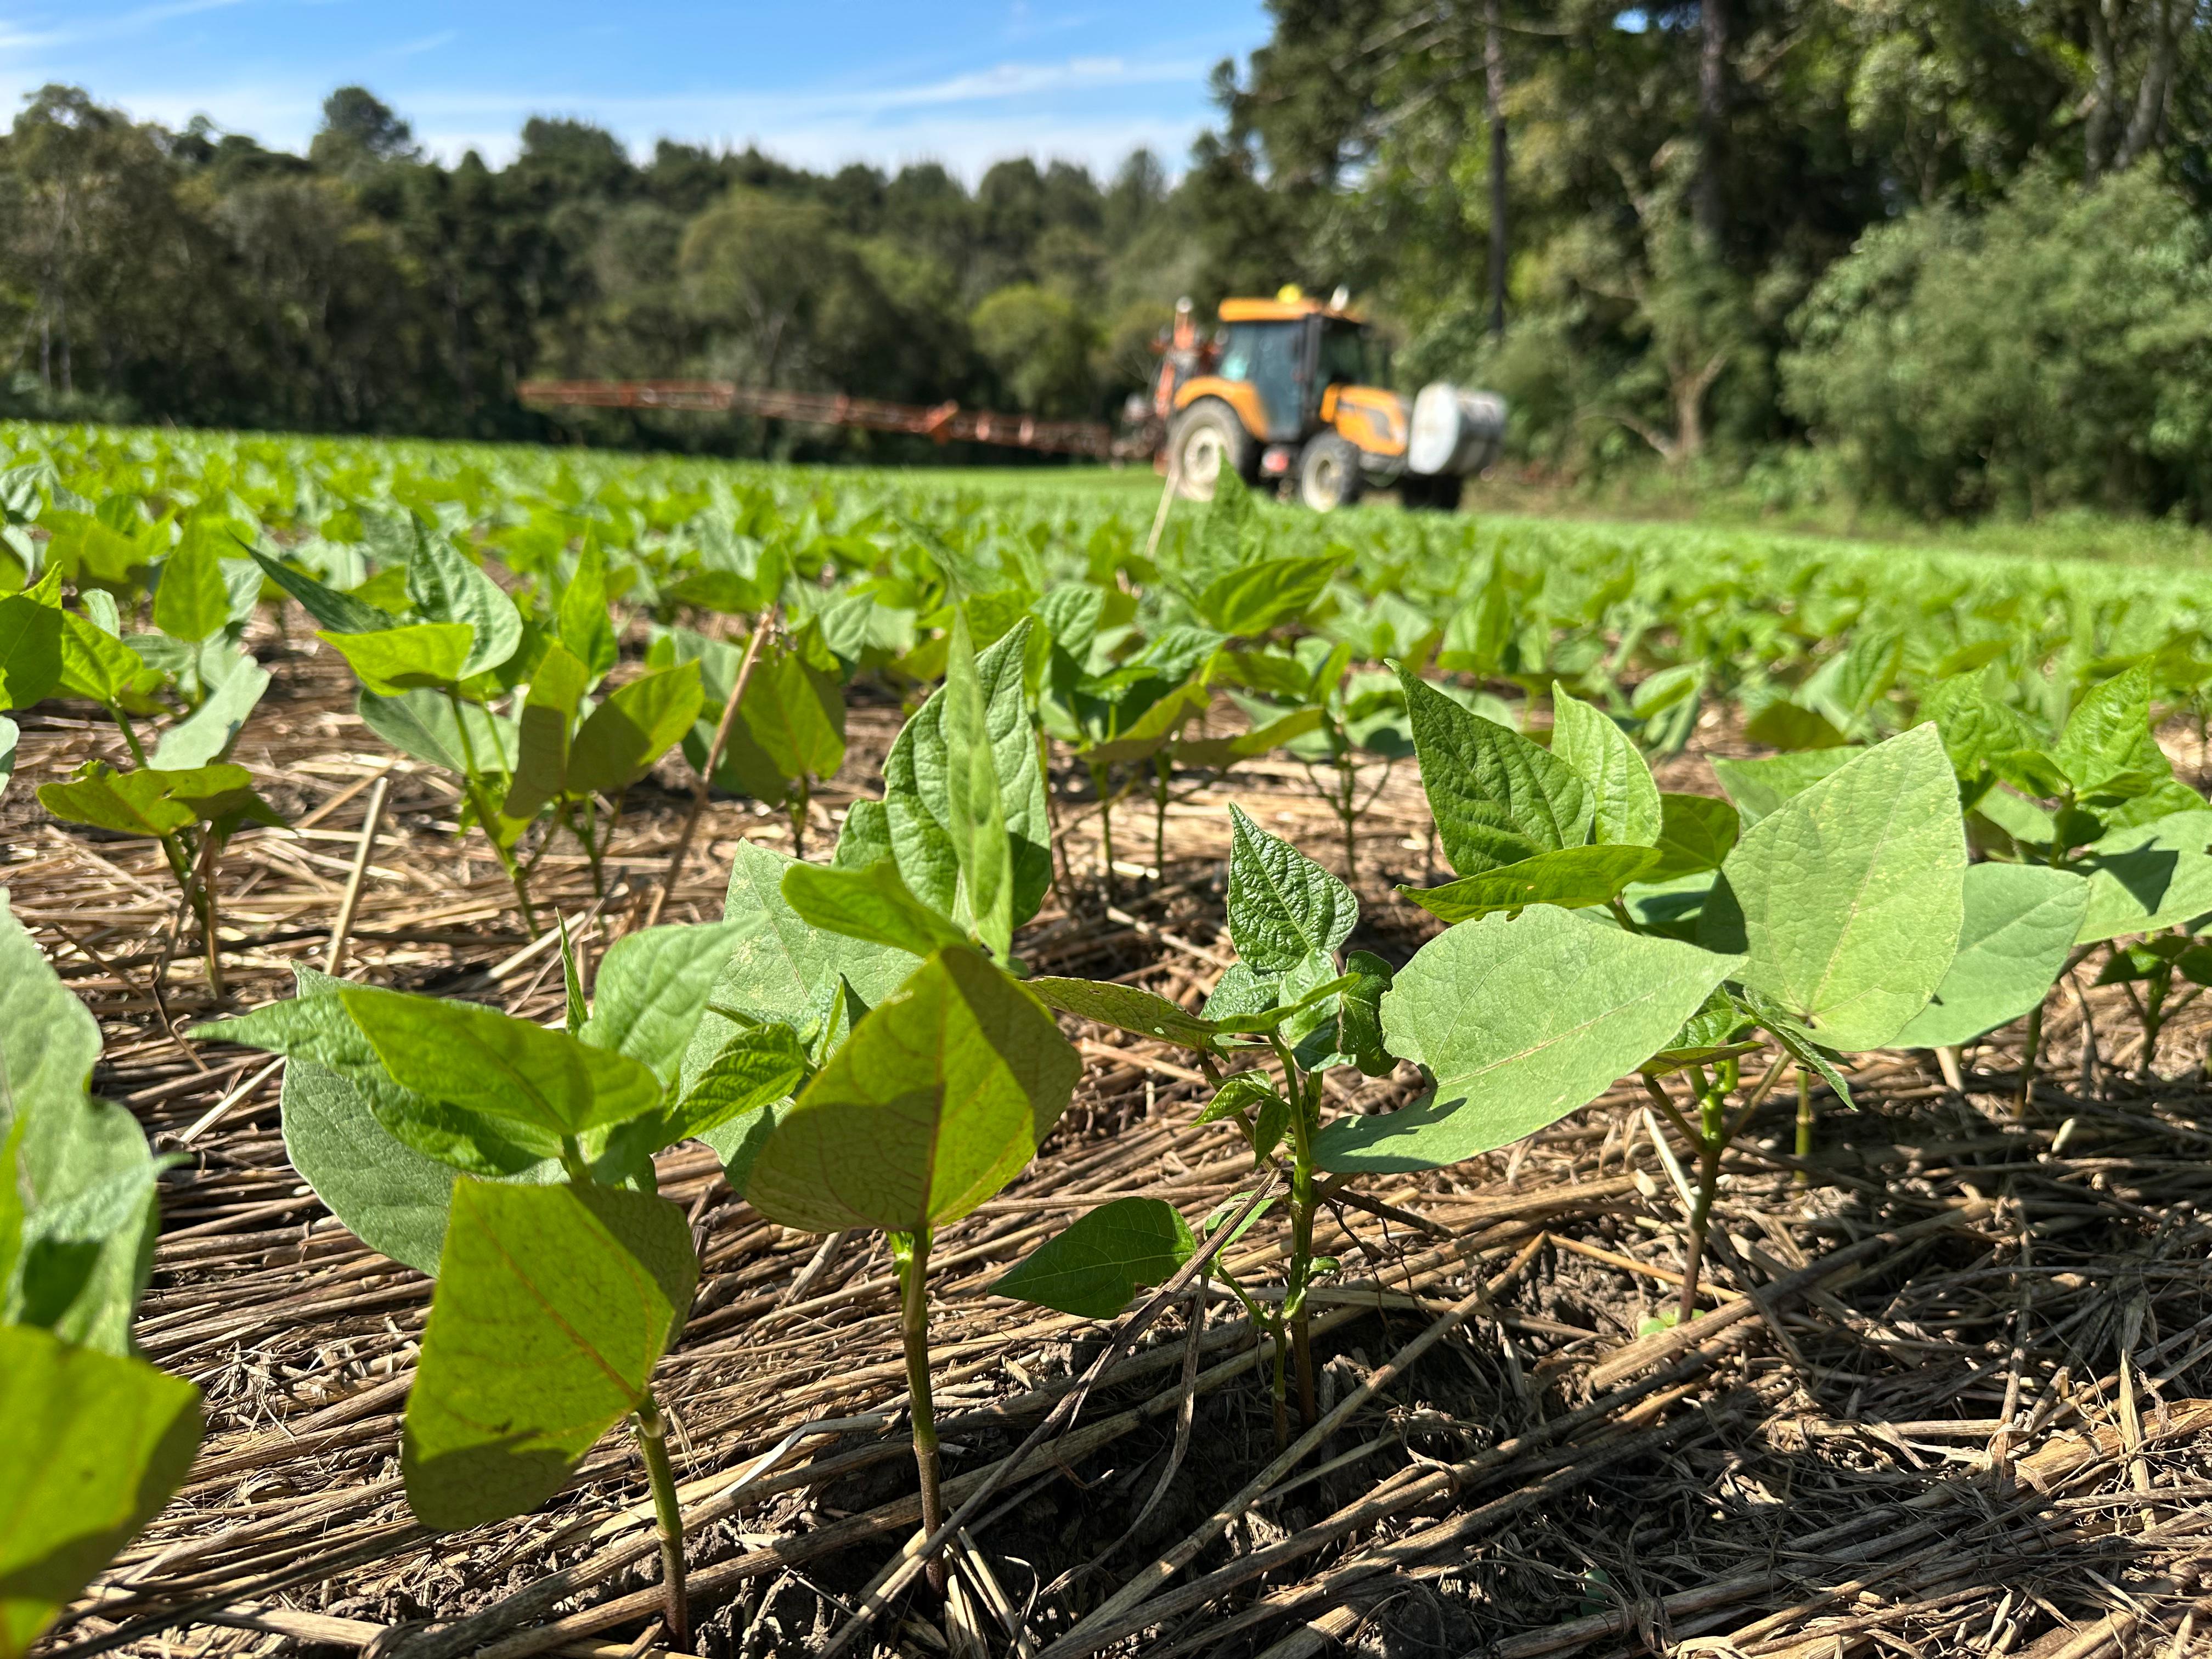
1625,800
1785,726
794,709
1571,877
1758,787
206,734
938,1099
1846,901
421,723
48,1041
1520,1021
1283,906
1359,1019
1128,1007
865,838
342,613
557,684
190,598
2020,923
2152,877
423,655
554,1304
96,1445
2109,734
1696,834
446,586
1497,797
652,989
30,647
1252,597
916,795
1092,1268
871,904
975,814
759,1065
637,724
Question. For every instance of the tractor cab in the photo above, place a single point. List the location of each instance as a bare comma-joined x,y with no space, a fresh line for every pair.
1292,392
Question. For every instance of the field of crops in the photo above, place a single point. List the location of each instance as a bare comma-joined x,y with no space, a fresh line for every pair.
619,1057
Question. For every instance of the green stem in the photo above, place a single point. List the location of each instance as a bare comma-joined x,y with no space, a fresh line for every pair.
910,1253
472,781
1105,824
2153,1018
2031,1045
653,1442
802,796
1711,1138
1162,768
572,1161
130,736
1804,1121
204,900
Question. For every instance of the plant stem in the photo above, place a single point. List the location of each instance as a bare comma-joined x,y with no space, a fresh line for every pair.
1105,824
910,1253
1804,1122
204,893
2153,1016
653,1442
802,795
1162,768
1712,1138
2030,1042
473,782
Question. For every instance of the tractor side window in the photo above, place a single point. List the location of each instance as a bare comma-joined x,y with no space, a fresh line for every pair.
1343,357
1266,355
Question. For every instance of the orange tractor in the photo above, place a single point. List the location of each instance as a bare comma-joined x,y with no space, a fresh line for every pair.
1288,393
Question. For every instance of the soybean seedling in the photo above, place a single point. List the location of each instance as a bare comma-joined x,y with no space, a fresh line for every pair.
515,1164
95,1439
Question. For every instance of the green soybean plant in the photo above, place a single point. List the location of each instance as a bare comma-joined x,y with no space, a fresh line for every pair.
789,734
1839,905
430,669
944,1081
183,793
514,1163
1516,1018
94,1440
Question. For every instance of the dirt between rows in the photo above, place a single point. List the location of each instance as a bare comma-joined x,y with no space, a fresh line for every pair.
1947,1394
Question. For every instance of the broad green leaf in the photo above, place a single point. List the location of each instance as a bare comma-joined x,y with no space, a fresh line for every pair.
1758,787
417,656
1625,800
1283,906
49,1041
1571,877
865,837
1497,797
1846,901
90,1216
1785,726
190,598
423,724
794,709
30,648
9,732
206,734
651,989
2020,923
1092,1268
1252,597
1519,1021
938,1099
635,726
341,613
1126,1007
582,625
128,803
1220,753
2109,734
554,1304
95,1444
446,586
779,962
543,729
485,1061
871,904
1976,725
2154,876
917,796
1155,728
97,665
976,814
1696,834
755,1068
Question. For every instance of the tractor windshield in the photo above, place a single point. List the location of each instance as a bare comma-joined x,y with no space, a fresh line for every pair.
1347,355
1266,356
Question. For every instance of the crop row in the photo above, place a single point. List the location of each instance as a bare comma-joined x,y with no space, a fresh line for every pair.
1967,800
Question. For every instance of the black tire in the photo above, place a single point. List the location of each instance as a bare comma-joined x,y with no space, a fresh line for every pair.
1328,473
1430,495
1206,438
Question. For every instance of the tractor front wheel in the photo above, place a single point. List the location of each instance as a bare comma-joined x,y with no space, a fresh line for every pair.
1328,473
1207,440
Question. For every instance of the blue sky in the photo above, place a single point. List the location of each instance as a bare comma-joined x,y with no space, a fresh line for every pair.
960,82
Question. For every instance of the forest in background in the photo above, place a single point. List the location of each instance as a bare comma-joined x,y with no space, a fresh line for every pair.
1953,256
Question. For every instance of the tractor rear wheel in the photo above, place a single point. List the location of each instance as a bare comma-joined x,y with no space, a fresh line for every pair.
1328,473
1207,439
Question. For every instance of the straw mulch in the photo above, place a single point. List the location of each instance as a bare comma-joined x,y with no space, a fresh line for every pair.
1950,1394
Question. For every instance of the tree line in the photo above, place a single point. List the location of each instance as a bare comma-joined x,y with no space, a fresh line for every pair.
1954,255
